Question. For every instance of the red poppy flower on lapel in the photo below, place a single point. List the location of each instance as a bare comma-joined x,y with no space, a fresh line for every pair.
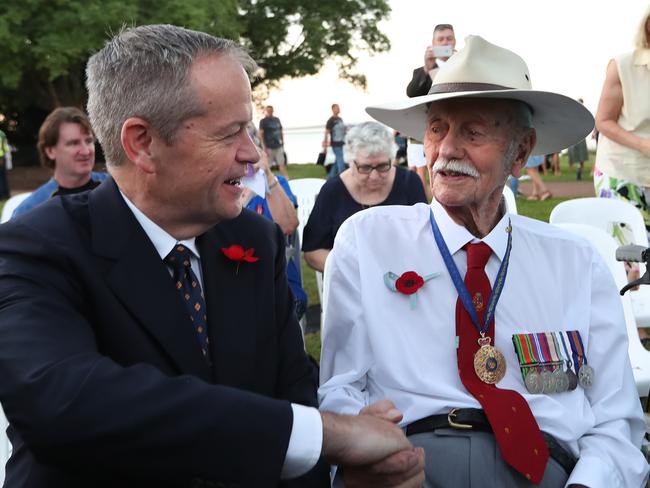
409,283
237,253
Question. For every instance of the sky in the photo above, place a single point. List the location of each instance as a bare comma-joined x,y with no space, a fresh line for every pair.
566,44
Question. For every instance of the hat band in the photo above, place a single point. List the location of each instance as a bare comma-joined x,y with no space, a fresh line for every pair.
465,87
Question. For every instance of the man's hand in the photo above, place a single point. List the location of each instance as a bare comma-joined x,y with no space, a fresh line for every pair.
429,59
360,440
371,450
402,469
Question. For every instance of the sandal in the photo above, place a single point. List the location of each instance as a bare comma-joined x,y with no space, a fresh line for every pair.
533,197
545,196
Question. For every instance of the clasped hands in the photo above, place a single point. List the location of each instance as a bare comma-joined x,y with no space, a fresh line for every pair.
371,450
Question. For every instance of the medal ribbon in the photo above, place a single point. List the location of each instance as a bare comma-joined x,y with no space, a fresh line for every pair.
463,294
566,350
539,349
575,346
531,348
556,355
583,354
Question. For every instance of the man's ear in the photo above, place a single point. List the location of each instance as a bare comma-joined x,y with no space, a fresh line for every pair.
50,152
524,149
137,137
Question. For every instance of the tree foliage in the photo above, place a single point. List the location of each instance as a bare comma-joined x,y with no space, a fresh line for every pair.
44,44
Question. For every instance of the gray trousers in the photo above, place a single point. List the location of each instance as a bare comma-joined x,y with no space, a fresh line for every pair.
471,459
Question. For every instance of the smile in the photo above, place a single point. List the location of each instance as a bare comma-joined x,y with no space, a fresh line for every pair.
233,182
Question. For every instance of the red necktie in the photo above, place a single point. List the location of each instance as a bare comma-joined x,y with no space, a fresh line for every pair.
515,429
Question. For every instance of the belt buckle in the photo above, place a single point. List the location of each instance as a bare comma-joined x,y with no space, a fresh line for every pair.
456,425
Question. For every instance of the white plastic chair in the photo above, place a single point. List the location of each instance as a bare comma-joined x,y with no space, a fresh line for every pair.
511,202
602,213
606,246
306,190
11,204
5,446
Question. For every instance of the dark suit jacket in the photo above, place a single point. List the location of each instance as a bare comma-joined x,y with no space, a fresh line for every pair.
420,83
101,376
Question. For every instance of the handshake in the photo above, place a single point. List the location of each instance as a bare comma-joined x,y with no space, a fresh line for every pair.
371,450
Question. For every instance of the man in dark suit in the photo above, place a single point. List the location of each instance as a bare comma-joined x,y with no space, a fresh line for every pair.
147,334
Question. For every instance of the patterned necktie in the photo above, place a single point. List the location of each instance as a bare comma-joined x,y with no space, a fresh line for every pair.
515,429
190,289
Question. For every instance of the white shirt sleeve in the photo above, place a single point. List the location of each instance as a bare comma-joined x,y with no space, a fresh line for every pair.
610,455
305,442
346,354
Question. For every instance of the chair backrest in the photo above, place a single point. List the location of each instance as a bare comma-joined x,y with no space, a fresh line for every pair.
601,213
306,190
606,247
11,204
511,202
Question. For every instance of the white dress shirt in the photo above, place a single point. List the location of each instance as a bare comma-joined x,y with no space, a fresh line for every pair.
306,437
375,346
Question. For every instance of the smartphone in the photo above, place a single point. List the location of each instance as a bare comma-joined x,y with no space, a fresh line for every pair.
442,51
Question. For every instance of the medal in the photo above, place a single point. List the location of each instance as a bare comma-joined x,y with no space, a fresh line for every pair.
533,382
585,372
548,382
489,363
571,376
586,376
561,380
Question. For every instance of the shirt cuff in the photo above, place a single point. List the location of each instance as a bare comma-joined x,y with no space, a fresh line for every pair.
305,442
594,472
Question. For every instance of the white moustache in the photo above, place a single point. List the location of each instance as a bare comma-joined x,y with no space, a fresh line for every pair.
456,166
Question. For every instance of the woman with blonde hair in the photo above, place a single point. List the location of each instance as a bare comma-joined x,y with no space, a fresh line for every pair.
622,168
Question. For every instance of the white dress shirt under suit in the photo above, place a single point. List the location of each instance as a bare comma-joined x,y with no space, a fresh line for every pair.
375,346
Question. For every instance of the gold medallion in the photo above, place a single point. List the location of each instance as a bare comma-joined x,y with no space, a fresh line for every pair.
489,364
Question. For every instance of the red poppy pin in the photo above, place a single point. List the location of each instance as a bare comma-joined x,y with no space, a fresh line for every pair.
407,284
237,253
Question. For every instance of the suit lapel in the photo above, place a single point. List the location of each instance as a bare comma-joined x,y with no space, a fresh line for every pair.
232,312
141,281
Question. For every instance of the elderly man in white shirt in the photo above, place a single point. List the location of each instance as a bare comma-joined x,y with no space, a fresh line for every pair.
516,374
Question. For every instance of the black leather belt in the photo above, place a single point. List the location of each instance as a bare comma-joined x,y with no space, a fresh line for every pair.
475,419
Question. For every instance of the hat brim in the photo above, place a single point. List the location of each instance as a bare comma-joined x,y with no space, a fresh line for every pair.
559,121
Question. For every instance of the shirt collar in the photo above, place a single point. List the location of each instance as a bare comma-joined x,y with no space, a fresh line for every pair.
162,241
456,236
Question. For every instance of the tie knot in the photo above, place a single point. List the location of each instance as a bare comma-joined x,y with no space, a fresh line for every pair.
179,257
477,255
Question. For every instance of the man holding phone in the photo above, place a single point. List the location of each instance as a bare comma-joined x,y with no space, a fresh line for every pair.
435,56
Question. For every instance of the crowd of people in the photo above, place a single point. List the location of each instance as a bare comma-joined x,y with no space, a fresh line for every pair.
149,316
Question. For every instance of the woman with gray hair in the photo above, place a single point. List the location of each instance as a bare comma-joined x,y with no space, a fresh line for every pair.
370,180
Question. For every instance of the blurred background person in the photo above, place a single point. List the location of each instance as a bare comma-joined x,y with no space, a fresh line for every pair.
279,204
371,180
540,191
66,145
335,138
622,168
442,46
273,140
578,154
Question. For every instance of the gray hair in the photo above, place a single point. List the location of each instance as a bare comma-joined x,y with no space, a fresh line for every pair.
144,72
370,138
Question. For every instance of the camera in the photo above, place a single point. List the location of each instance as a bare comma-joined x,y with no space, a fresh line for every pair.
442,51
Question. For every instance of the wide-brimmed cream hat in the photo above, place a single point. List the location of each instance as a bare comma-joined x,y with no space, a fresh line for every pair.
483,70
